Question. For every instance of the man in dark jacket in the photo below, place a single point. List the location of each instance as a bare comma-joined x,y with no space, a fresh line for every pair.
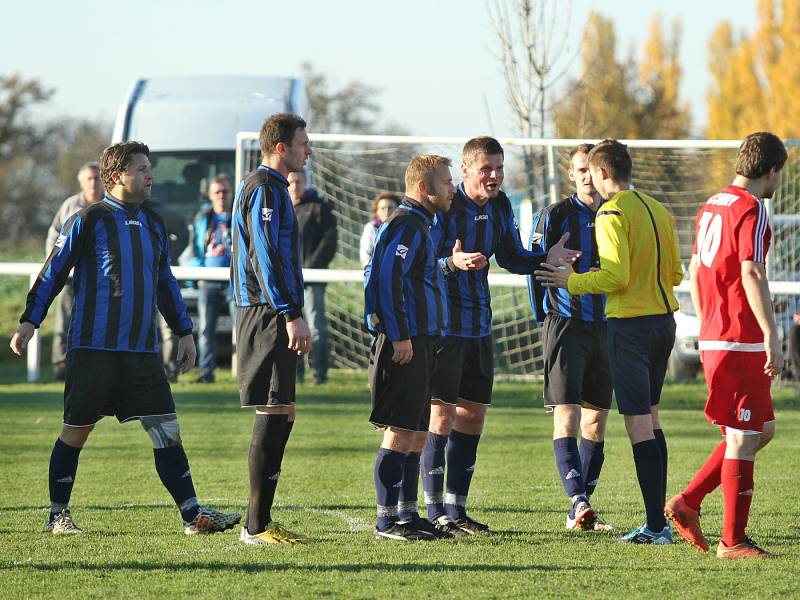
318,235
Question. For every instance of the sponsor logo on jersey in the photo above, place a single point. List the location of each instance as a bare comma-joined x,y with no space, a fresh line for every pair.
267,213
401,251
481,217
133,222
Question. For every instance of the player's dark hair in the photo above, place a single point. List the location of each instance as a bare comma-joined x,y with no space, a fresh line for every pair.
396,198
612,156
480,145
580,149
276,129
116,158
758,153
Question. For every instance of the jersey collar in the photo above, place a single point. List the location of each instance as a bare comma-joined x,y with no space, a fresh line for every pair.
275,174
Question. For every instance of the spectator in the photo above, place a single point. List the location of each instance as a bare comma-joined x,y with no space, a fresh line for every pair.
318,236
178,234
91,192
383,206
794,347
210,246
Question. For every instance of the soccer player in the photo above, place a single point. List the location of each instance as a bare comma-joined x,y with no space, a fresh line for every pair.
120,252
267,284
639,265
480,223
738,342
577,383
406,310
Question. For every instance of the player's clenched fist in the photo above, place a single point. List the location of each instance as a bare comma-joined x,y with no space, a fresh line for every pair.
22,336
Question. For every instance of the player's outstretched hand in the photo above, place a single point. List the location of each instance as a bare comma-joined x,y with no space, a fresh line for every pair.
554,277
468,261
299,336
559,255
22,336
774,364
403,352
187,353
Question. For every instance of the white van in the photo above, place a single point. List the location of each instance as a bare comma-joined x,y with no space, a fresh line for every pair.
190,124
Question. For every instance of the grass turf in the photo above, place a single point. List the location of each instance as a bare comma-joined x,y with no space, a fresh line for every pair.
133,545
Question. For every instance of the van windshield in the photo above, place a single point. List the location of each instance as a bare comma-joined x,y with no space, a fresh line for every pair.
180,179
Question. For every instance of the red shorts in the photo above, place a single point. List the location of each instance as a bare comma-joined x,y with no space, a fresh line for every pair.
738,389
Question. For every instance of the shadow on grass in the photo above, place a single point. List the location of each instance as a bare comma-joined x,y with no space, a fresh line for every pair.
381,568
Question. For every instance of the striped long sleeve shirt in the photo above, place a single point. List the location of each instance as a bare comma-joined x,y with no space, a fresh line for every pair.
492,230
266,268
404,294
572,216
120,255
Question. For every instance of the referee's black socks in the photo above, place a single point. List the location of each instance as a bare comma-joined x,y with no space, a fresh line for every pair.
649,472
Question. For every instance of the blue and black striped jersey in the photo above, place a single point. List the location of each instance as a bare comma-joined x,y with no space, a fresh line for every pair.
572,216
492,230
265,265
121,258
404,285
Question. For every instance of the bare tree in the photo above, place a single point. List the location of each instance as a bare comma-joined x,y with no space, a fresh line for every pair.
536,47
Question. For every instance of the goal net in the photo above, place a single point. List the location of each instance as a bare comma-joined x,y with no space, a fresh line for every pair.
349,171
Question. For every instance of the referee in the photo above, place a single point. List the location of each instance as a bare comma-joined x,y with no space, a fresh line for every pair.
120,252
639,265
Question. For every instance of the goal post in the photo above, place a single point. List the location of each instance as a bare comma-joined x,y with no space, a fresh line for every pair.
349,171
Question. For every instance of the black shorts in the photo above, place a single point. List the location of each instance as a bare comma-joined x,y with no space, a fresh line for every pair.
105,383
401,394
638,353
575,362
464,369
265,366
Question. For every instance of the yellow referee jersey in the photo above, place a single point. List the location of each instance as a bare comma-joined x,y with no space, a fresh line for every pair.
639,258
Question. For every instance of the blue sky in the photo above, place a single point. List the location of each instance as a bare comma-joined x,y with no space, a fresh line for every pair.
431,59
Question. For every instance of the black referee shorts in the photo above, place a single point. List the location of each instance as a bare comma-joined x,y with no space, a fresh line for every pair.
126,385
265,366
401,394
464,369
638,353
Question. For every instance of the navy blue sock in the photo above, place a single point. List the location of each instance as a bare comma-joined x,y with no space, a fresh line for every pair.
432,467
592,457
662,449
461,452
409,489
648,471
268,441
568,463
173,470
388,474
63,467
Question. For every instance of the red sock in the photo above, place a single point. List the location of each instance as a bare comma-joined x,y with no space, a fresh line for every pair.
707,479
737,493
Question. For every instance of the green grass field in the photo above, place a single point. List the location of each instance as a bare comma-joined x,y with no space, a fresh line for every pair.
133,545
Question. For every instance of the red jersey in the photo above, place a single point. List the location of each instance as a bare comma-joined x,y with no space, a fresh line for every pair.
732,227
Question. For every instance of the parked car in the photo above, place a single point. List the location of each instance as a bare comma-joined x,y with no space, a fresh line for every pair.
684,362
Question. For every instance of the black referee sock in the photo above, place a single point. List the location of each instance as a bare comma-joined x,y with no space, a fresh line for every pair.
63,467
270,434
173,470
648,471
662,448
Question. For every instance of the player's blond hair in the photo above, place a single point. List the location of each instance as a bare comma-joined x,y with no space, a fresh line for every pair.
421,168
